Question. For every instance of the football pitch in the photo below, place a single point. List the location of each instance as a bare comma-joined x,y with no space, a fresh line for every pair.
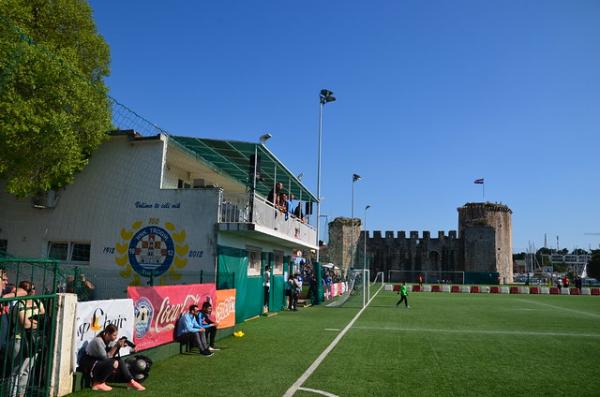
444,345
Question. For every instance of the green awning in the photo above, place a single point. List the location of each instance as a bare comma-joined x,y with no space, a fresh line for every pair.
236,159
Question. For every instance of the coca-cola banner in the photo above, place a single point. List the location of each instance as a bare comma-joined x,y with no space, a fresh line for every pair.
224,310
157,310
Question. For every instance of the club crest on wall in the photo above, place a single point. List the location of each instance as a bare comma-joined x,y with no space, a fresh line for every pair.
151,250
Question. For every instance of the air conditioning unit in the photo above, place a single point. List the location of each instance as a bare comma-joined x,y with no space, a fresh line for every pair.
47,199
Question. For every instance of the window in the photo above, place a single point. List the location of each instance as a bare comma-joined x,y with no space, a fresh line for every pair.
253,262
81,252
278,259
75,252
3,245
59,251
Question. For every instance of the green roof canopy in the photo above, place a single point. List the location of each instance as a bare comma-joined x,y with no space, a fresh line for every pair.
234,159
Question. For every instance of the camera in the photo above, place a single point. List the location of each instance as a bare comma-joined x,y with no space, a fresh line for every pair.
128,342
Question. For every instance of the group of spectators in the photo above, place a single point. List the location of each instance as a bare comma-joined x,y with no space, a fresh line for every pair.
565,282
285,202
196,327
20,334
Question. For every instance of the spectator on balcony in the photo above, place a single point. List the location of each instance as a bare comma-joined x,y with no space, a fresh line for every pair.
274,194
298,213
284,204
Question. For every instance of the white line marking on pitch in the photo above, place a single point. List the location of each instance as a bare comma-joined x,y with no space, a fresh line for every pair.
332,329
561,308
482,331
317,391
290,392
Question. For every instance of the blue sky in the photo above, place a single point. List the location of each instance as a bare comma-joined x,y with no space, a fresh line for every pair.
431,96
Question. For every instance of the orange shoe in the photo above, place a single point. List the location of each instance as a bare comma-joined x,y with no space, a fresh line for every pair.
135,385
101,386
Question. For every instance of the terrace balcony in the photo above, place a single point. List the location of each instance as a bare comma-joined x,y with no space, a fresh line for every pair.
244,173
248,213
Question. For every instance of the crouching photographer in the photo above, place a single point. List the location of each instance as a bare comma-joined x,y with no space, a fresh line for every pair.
103,363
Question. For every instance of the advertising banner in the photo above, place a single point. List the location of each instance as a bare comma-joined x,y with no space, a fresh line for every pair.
93,316
157,309
224,309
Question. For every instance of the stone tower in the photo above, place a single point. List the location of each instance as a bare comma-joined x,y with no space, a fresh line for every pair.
344,234
486,229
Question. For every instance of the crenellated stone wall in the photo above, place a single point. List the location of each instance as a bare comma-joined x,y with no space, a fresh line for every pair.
483,244
413,253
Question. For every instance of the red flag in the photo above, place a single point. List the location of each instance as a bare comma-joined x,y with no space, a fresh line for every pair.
478,181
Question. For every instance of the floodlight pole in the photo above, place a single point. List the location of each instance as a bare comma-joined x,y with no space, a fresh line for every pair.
325,96
365,251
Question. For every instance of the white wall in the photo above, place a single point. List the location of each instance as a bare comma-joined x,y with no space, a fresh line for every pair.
237,241
106,206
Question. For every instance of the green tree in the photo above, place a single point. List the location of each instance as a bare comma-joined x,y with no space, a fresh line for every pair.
579,251
54,108
593,267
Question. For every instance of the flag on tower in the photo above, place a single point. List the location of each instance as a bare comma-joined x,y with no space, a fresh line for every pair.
478,181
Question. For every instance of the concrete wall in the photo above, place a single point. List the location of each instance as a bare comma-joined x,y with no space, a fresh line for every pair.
61,382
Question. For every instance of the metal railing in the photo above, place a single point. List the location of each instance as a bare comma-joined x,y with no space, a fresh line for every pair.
27,328
246,208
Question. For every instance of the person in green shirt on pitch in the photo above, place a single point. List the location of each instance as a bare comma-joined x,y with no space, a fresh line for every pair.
403,295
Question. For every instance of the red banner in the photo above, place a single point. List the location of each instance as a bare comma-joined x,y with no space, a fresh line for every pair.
225,308
157,310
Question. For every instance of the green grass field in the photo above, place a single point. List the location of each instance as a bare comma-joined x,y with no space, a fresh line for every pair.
444,345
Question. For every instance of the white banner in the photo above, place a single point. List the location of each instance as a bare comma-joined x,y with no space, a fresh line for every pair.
93,316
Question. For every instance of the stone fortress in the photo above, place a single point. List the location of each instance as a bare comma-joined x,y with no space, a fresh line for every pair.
482,245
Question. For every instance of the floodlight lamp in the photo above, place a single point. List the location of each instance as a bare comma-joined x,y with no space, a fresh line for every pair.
367,207
326,96
300,176
265,137
355,177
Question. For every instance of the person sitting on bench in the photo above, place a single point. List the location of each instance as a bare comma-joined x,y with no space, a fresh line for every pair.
189,329
210,326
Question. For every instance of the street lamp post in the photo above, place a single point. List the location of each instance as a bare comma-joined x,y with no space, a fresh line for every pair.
365,253
355,177
326,221
325,96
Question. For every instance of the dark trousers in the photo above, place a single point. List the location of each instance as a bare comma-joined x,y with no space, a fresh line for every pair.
211,333
293,300
198,339
403,298
266,300
104,371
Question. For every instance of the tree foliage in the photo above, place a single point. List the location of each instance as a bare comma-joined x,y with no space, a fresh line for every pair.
593,267
54,108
